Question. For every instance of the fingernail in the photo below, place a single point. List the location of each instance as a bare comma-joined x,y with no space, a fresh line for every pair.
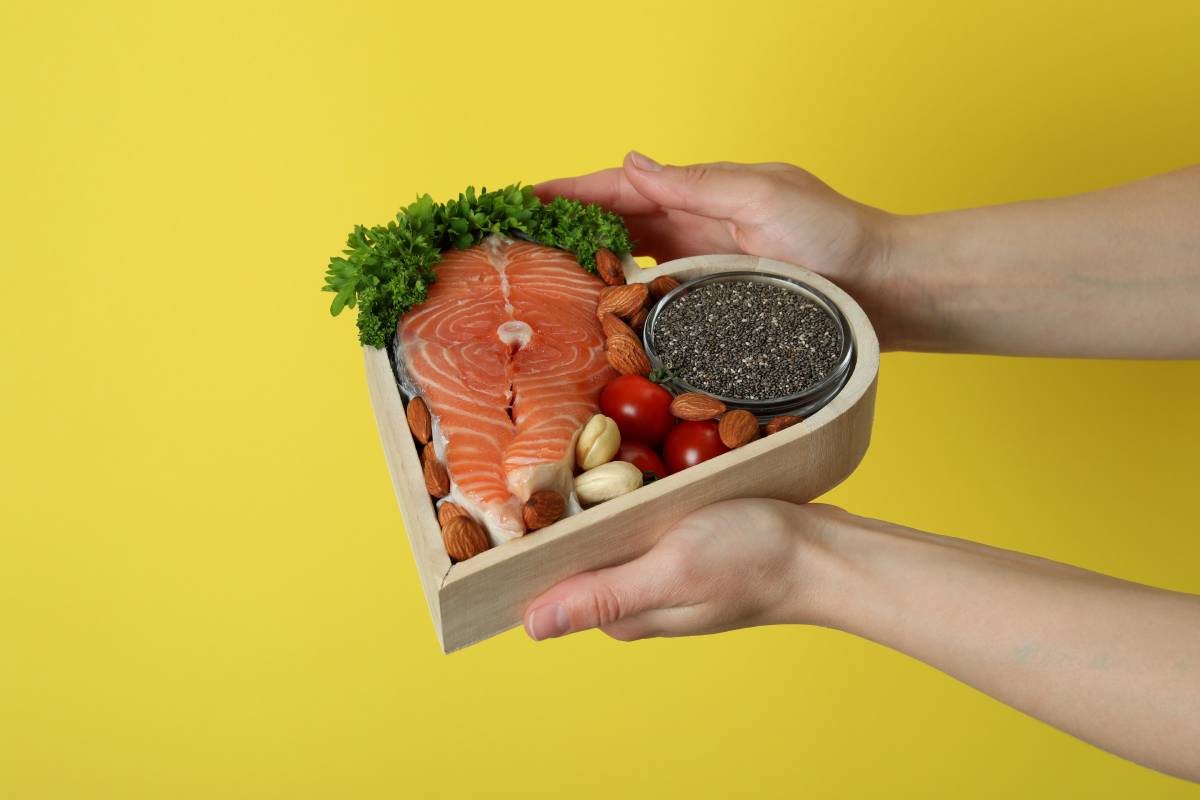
644,163
547,622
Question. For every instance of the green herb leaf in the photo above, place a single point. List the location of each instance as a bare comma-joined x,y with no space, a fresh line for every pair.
344,295
582,229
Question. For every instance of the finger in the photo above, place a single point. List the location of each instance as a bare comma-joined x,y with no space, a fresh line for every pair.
679,621
677,234
608,187
720,190
596,599
656,236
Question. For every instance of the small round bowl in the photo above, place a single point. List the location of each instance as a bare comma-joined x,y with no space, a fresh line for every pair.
802,404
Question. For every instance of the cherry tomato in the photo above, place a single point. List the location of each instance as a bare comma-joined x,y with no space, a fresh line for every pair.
640,407
689,443
642,457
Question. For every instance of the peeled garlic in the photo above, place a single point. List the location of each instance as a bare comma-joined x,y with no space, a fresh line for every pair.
598,442
606,482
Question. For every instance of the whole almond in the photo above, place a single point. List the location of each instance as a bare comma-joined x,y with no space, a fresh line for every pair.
779,423
614,325
626,356
464,538
737,428
543,508
437,480
696,406
661,285
608,267
448,511
418,420
624,301
638,320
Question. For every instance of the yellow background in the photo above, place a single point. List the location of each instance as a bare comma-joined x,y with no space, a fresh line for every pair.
205,590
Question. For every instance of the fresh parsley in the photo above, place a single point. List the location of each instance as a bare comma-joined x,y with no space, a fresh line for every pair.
387,269
582,228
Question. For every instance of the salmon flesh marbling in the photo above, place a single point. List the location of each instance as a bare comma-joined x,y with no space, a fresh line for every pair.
509,356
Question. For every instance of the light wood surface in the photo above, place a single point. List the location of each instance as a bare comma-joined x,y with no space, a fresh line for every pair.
404,465
487,594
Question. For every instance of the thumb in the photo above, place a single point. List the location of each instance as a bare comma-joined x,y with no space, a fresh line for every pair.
595,599
719,191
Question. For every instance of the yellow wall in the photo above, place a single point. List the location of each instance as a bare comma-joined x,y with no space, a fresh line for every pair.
205,590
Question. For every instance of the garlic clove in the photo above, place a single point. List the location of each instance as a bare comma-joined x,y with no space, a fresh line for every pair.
607,481
598,442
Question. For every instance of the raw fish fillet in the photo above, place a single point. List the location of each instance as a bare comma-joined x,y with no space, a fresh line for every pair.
509,356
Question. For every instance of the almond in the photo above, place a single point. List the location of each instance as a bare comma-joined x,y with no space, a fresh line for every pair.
448,511
661,285
418,420
543,508
738,428
614,325
638,320
624,301
464,538
696,406
437,480
779,423
609,268
626,356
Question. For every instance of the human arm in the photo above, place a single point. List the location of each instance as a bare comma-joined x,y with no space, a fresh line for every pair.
1114,273
1112,662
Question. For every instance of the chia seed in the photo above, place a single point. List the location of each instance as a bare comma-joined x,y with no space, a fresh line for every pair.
747,340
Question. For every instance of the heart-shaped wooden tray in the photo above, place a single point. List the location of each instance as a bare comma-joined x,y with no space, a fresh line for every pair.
487,594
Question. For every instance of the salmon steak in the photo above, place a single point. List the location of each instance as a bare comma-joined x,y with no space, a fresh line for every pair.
509,356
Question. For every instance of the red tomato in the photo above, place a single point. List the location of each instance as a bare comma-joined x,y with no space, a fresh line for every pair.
640,407
642,457
689,443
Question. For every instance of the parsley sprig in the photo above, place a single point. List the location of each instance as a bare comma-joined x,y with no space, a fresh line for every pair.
387,269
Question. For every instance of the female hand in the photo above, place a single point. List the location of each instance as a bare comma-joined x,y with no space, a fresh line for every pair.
775,211
731,565
1109,274
1112,662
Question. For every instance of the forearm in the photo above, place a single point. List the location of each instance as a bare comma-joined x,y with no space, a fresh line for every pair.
1112,662
1114,273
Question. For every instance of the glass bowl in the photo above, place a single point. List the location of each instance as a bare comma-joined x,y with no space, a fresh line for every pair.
802,404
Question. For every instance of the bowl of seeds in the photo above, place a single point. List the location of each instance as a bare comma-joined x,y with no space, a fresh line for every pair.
769,342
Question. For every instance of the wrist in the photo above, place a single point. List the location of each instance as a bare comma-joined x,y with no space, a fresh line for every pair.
896,290
824,576
888,279
853,573
940,282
